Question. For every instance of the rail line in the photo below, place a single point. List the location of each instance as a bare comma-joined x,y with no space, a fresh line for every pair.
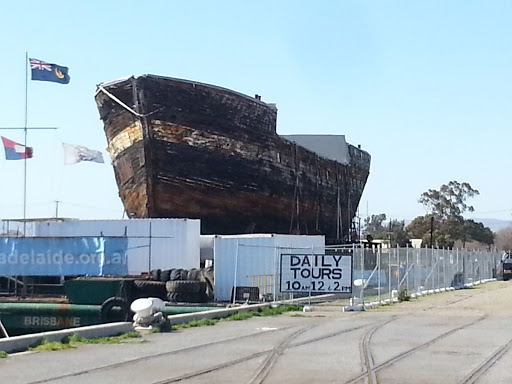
162,354
370,374
483,368
259,376
366,353
274,353
263,371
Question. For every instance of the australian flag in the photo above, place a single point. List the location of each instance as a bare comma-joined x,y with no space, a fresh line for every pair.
16,151
49,72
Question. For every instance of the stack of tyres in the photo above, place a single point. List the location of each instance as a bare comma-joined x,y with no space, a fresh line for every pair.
153,287
186,291
178,285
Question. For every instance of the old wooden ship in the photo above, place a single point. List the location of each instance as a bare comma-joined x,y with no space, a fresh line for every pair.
185,149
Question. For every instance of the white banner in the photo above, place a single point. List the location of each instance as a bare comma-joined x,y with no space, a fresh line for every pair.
316,273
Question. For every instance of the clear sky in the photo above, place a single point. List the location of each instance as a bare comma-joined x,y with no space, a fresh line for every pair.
424,86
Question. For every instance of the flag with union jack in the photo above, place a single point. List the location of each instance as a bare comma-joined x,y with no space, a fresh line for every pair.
43,71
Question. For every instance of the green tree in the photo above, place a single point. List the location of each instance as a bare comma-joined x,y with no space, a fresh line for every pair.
476,232
439,239
393,230
419,227
373,224
447,206
398,234
449,200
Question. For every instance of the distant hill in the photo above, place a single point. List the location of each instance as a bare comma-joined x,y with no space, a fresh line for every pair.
495,224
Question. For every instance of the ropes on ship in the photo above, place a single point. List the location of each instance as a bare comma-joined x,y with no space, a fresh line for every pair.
100,87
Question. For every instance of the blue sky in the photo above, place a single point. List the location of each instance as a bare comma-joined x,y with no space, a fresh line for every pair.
424,86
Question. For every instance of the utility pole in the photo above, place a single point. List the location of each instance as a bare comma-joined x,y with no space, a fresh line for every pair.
57,209
431,229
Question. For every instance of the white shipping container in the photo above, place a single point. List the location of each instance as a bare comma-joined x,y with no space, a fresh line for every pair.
152,243
254,260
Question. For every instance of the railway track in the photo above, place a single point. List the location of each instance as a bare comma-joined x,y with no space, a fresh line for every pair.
259,376
368,376
158,355
261,362
486,365
370,369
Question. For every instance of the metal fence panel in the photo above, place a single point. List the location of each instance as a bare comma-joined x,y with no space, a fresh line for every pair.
384,274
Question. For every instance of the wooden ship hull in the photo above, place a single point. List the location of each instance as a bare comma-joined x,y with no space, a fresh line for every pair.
183,149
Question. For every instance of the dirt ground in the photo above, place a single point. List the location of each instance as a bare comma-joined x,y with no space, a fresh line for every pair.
492,298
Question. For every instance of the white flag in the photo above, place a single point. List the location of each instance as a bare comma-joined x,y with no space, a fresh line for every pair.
76,153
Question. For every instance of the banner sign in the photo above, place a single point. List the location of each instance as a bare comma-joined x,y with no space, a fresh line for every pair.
316,273
63,256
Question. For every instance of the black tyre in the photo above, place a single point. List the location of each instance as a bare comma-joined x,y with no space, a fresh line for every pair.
148,288
178,274
207,275
165,275
186,286
155,274
114,309
194,274
186,297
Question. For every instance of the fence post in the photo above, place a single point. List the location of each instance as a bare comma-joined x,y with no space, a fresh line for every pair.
464,279
378,268
407,266
389,276
432,268
150,250
444,268
361,251
234,277
398,268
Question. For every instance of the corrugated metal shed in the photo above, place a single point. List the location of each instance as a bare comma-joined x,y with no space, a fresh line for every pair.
152,243
254,260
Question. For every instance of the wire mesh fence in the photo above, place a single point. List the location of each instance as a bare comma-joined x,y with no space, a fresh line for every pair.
378,274
392,273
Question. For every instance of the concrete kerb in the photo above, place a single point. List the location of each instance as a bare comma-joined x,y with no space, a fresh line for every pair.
226,312
214,314
22,343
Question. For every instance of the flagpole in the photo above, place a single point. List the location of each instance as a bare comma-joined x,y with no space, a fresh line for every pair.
25,160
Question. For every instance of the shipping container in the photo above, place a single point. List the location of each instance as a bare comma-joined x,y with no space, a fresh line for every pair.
253,261
152,243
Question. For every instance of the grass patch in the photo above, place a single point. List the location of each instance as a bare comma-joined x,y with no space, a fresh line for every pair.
403,295
75,340
195,323
46,345
3,355
240,316
280,310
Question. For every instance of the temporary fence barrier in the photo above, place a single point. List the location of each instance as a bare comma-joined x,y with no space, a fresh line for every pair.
394,274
